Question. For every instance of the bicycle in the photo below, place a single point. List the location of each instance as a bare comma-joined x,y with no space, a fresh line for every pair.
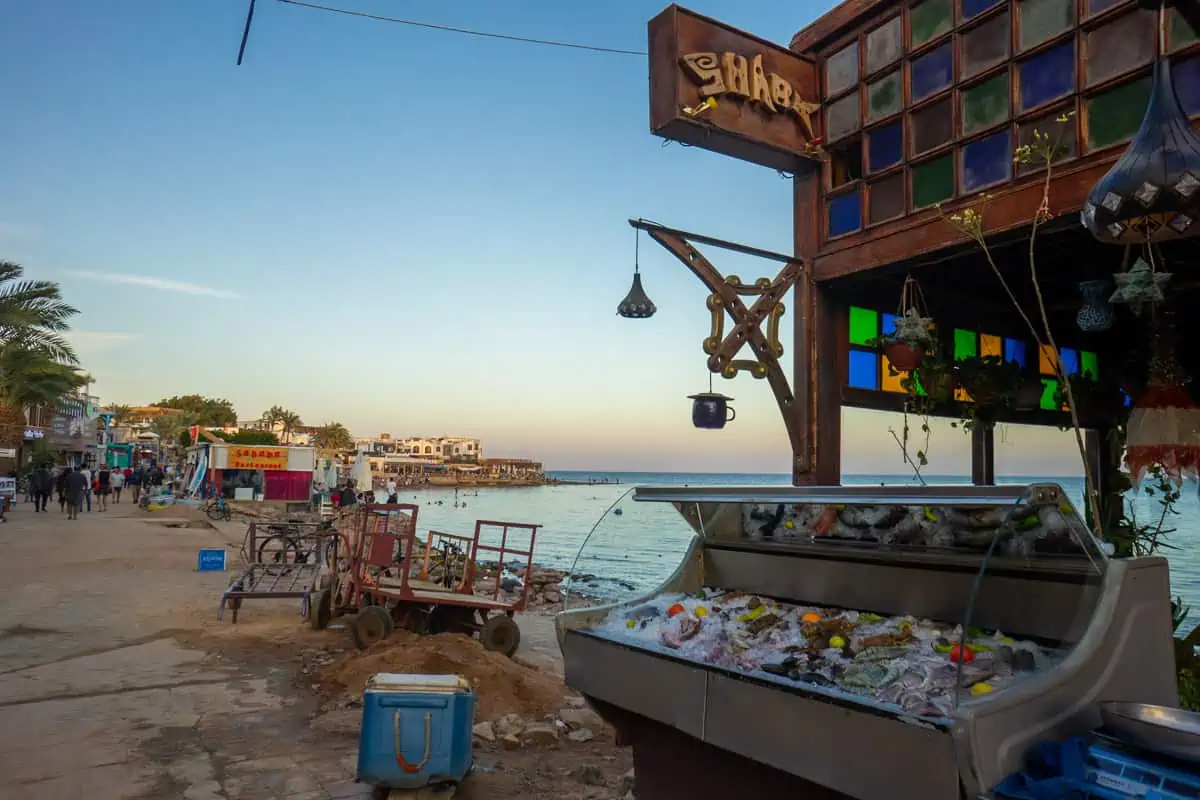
218,510
292,544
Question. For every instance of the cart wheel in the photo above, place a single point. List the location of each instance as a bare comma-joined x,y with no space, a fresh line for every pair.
372,625
320,609
501,635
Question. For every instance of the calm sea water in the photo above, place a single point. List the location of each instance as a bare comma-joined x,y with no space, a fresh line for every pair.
638,548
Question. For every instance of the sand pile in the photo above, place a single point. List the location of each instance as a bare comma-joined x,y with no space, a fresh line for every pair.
502,686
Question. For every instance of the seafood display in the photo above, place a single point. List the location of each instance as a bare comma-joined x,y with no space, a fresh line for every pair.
916,666
1019,530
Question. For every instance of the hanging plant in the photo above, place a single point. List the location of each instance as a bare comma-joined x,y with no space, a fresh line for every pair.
913,337
993,383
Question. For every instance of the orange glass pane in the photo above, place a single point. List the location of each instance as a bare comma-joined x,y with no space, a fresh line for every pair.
991,345
890,382
963,396
1047,360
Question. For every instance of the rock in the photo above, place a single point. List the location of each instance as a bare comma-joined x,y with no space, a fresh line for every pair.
484,731
541,733
628,796
580,718
625,787
510,742
588,774
509,725
552,597
510,585
575,702
582,735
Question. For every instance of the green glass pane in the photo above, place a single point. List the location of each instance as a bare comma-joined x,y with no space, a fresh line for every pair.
966,344
986,103
933,181
929,19
864,325
884,97
1042,19
1089,364
1180,32
1049,389
1115,115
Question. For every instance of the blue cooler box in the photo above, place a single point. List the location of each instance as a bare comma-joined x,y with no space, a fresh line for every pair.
416,730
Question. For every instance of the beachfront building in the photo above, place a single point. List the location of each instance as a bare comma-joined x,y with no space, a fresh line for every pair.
520,469
437,449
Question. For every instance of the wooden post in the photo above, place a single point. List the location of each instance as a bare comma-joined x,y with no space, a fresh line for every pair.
983,455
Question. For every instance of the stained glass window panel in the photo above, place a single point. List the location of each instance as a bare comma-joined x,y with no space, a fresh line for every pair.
885,146
1123,44
931,72
1063,134
887,324
1186,77
1070,360
885,44
845,214
1179,33
841,69
888,381
966,344
973,8
1042,19
932,181
1047,76
886,198
841,117
985,45
884,96
987,161
991,345
864,325
1014,350
864,369
1089,364
986,103
1114,116
1047,360
1096,6
1049,391
932,127
930,19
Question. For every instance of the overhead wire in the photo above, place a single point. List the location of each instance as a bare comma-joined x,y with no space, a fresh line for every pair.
465,31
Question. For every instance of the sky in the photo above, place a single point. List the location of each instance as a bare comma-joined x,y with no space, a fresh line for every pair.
403,230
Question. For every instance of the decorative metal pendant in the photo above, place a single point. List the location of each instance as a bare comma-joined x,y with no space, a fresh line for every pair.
636,304
1139,286
1096,315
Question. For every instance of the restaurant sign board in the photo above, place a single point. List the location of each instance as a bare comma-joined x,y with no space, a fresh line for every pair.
264,458
719,88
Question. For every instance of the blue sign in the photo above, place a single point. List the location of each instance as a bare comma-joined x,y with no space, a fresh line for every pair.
211,560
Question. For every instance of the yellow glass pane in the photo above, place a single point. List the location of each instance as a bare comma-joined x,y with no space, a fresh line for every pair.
963,396
1047,360
890,382
991,345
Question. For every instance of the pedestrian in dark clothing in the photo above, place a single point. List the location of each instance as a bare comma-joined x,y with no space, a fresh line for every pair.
60,484
347,497
77,486
136,479
103,485
43,485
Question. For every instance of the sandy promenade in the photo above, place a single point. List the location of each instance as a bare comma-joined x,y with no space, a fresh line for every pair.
117,681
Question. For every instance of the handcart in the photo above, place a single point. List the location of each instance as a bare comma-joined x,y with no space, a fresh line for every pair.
283,561
389,579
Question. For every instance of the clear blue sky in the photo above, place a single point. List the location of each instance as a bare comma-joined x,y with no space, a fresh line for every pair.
400,229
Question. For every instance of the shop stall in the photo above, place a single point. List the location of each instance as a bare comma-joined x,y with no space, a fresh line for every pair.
994,206
253,472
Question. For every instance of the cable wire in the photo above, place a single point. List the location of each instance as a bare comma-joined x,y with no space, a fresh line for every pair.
467,31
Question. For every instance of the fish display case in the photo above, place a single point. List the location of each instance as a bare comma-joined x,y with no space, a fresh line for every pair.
870,642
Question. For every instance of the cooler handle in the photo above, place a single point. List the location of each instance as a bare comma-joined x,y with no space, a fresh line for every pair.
400,760
408,701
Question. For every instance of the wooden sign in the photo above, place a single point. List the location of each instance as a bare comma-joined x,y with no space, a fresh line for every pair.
719,88
266,458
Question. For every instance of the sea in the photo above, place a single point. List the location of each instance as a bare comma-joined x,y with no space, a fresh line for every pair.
591,525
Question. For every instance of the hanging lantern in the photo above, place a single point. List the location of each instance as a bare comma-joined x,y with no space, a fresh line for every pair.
1152,193
1096,315
636,305
1164,425
1140,286
711,410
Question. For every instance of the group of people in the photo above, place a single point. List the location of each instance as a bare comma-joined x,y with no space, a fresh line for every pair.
77,485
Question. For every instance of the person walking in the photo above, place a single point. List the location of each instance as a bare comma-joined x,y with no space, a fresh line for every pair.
43,485
60,484
392,496
87,486
117,481
136,478
103,485
77,484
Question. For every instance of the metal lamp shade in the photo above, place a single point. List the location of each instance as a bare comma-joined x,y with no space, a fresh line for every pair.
1152,193
636,304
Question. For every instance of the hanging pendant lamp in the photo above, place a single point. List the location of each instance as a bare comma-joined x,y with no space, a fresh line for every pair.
1152,193
1164,425
636,304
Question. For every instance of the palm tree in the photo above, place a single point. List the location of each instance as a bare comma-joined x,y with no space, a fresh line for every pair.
31,378
332,436
290,420
121,414
33,314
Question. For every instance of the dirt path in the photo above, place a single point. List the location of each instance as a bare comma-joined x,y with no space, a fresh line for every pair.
117,681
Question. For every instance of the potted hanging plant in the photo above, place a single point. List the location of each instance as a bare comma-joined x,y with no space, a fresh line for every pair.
993,384
932,382
913,337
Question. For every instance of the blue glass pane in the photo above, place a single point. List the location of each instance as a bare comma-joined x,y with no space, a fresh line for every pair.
1014,350
987,161
971,8
864,369
1068,359
887,324
1128,400
1186,77
885,146
845,214
932,71
1048,76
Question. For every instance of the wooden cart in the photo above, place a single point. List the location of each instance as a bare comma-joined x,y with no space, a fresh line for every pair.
390,579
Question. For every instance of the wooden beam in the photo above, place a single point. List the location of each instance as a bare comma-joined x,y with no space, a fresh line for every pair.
983,455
